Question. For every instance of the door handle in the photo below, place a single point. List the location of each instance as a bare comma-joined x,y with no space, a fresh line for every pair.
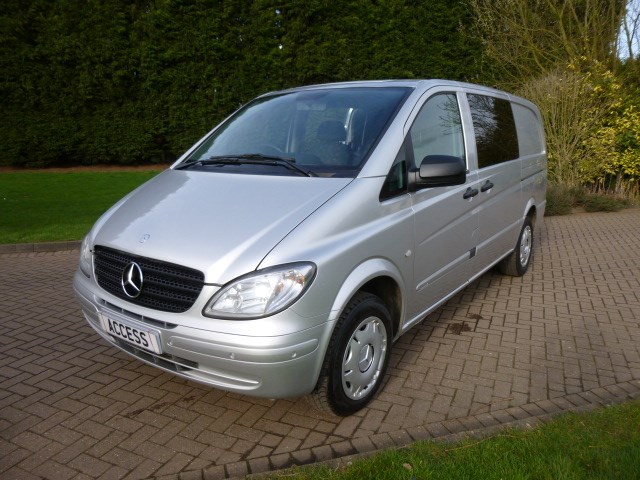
487,186
471,192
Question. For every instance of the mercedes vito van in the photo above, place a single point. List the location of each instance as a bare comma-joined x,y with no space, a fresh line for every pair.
285,252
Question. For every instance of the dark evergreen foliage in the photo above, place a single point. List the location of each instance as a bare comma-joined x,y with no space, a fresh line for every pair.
138,81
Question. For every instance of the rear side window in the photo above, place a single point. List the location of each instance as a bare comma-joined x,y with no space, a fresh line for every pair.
495,130
529,131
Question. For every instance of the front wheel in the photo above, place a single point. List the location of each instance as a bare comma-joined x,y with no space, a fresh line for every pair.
517,263
357,357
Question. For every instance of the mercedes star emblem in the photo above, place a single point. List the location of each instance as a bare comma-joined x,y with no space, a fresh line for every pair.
132,280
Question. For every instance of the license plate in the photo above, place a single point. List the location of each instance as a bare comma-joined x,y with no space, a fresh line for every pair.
138,335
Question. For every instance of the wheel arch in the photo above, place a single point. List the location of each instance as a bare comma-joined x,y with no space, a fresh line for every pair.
379,277
531,211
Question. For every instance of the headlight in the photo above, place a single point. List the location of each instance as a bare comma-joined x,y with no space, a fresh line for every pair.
85,257
261,293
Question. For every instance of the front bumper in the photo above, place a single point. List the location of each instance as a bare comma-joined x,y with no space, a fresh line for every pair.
272,366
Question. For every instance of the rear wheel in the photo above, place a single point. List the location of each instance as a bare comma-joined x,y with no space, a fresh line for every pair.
357,357
517,263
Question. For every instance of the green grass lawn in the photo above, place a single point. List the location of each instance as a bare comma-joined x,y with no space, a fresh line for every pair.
604,444
46,206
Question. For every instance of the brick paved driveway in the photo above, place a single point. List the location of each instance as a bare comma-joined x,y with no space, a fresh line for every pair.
505,349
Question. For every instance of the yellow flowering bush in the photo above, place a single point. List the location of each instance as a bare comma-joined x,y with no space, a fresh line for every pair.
612,153
570,108
610,156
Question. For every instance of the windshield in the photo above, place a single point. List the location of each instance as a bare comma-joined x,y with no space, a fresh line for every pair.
327,132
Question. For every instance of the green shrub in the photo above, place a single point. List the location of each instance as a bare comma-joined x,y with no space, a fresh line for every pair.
604,203
579,195
560,200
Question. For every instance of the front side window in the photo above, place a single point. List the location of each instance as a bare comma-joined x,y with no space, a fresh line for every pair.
437,130
495,130
328,132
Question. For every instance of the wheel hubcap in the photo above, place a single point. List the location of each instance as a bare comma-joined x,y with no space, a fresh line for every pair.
364,358
525,246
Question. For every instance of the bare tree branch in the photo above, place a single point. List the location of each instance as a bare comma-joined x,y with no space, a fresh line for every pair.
528,37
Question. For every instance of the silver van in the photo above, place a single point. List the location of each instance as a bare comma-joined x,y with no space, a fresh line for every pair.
286,251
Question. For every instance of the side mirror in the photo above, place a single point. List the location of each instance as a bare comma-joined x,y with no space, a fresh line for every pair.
438,171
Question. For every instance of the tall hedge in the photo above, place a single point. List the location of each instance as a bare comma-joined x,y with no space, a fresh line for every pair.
130,81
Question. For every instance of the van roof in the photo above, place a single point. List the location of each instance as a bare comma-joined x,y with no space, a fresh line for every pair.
391,83
421,84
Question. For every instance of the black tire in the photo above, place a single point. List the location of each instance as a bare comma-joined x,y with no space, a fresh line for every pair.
366,325
518,261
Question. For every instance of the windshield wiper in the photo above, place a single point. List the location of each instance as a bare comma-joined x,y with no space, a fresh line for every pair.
222,160
287,162
249,158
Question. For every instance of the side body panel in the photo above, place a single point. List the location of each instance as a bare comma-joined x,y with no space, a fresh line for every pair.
500,214
445,229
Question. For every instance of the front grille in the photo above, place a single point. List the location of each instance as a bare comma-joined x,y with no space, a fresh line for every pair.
166,287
